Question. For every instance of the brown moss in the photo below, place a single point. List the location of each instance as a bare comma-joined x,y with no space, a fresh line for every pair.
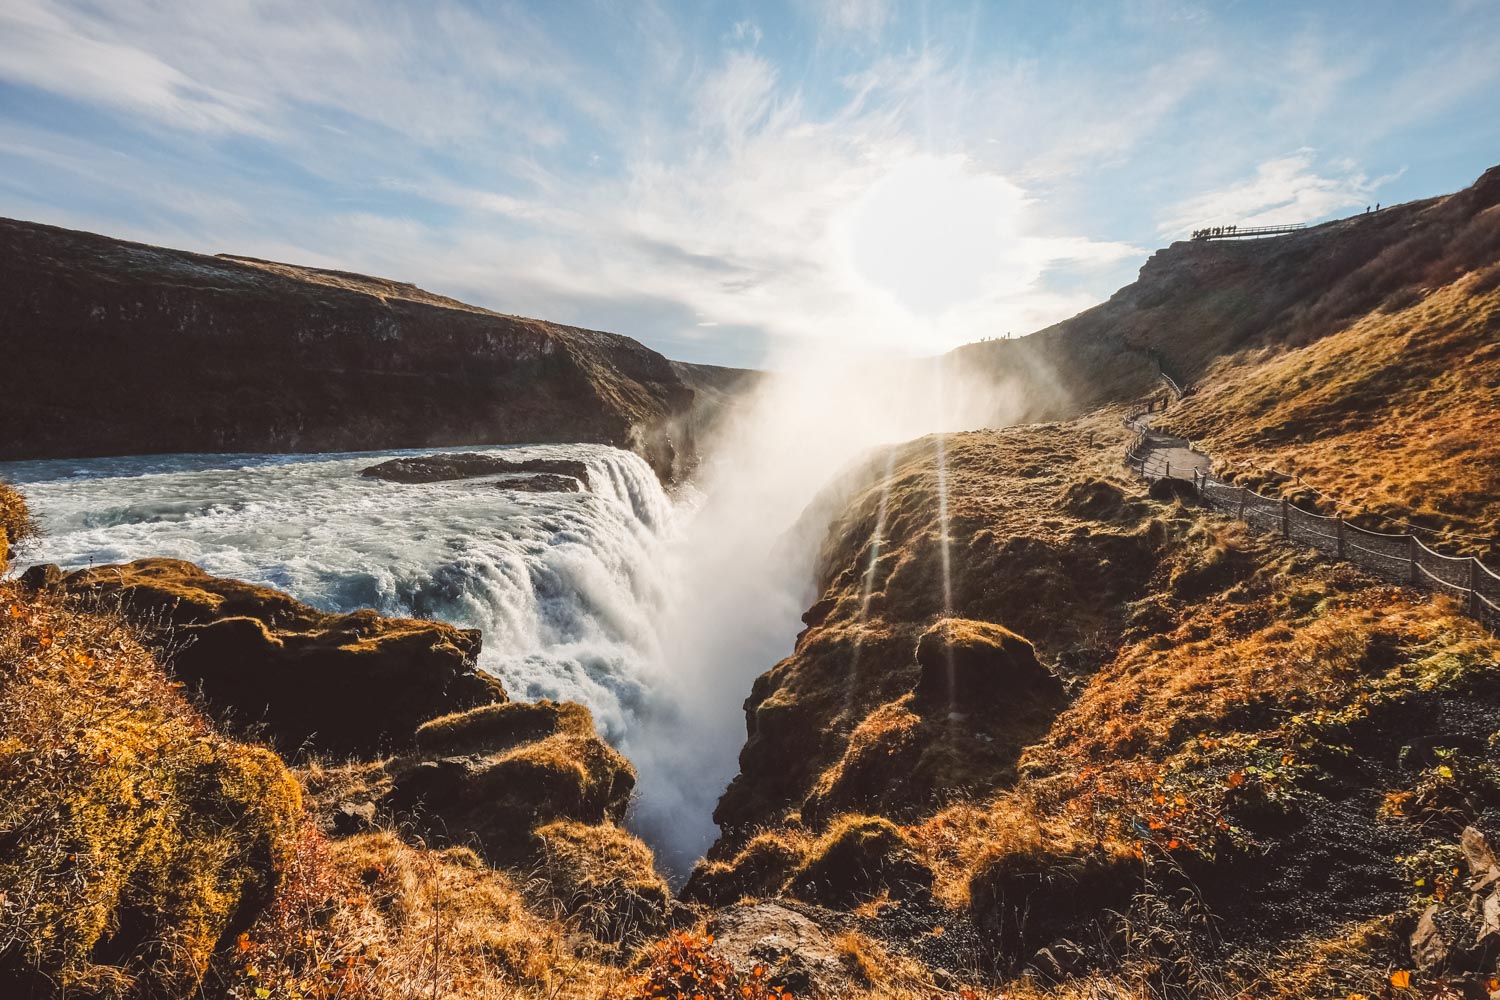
354,683
500,795
761,868
139,838
16,522
603,881
497,727
859,858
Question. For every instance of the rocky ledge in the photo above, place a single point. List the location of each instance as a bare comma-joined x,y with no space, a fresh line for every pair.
347,683
468,465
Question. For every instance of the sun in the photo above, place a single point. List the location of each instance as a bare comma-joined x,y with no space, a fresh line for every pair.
936,233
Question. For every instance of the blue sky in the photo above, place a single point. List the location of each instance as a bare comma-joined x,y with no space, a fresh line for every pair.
727,181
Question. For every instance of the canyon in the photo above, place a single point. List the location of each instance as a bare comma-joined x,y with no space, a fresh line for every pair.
1040,728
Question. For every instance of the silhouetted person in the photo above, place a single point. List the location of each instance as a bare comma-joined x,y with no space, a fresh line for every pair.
1377,206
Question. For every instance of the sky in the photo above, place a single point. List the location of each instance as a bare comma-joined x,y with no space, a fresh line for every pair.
730,182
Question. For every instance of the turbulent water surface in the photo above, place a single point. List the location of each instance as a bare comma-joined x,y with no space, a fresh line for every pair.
566,586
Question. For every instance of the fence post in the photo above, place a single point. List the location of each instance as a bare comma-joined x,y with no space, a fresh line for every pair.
1286,519
1411,555
1243,491
1341,536
1473,587
1168,474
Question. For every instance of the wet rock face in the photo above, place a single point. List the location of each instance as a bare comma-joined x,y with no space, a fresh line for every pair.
182,352
543,482
356,683
467,465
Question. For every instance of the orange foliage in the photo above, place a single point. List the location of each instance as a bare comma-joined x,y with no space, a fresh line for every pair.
685,967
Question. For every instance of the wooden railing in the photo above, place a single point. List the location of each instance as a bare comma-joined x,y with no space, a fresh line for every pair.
1400,557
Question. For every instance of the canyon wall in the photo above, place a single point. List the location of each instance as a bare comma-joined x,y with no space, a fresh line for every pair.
116,348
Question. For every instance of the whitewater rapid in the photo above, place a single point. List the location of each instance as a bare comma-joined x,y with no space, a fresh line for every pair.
566,587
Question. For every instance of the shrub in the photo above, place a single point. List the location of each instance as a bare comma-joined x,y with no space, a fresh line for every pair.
687,966
605,880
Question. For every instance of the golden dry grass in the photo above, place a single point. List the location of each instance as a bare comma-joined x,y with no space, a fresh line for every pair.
135,836
16,522
1397,414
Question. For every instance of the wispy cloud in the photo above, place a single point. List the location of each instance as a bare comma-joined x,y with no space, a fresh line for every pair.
828,169
1289,189
860,17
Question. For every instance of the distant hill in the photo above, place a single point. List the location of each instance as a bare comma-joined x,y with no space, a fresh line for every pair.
1360,354
1197,304
114,347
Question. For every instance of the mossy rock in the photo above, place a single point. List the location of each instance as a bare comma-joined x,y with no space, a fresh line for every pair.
496,727
761,869
605,881
147,856
358,683
860,858
499,793
1095,499
979,666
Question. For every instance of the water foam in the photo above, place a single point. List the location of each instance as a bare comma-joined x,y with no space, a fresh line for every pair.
566,587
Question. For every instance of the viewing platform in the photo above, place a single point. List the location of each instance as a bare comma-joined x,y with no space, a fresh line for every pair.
1244,232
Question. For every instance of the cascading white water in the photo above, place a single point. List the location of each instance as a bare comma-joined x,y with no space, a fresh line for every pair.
566,587
657,615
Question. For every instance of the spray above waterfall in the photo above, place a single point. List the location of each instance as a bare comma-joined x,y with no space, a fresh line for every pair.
656,614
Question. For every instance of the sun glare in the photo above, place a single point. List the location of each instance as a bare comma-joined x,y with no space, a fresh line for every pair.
935,233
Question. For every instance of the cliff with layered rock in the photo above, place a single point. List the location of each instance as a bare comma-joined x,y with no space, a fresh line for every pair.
169,351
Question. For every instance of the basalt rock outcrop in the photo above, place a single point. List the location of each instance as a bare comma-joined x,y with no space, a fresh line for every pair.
542,482
468,465
346,683
495,774
170,351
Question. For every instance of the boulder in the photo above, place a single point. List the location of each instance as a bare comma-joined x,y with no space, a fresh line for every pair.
345,683
469,465
43,577
497,773
350,818
1461,934
793,950
972,666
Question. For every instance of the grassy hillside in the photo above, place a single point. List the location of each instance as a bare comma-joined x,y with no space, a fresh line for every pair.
1397,414
1249,731
1198,305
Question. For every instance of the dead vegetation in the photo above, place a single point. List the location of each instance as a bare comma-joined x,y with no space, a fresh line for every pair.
136,838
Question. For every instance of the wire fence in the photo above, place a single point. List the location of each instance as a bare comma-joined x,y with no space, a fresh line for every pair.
1399,557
